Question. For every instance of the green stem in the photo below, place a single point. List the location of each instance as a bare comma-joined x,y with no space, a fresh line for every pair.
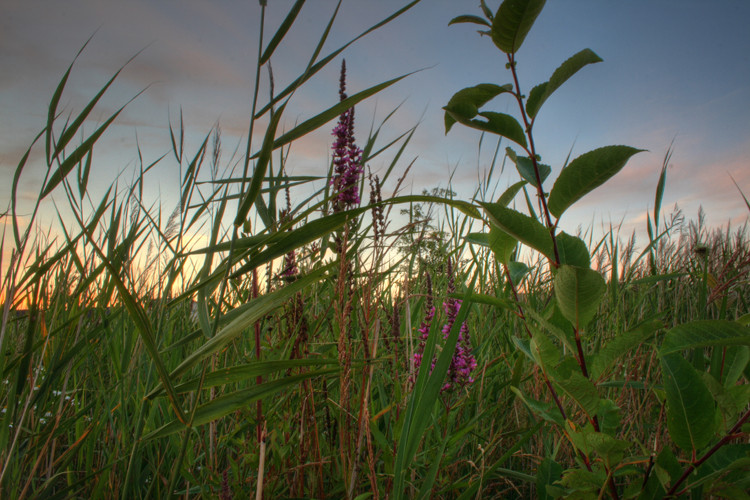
532,154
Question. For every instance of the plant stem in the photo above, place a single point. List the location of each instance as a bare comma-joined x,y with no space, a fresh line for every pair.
731,434
532,154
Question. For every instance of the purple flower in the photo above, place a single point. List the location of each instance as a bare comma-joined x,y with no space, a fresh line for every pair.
347,157
290,265
424,331
463,362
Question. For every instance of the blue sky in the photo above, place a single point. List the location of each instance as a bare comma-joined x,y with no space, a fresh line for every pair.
673,69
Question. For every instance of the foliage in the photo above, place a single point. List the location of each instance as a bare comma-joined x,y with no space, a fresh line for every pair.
281,347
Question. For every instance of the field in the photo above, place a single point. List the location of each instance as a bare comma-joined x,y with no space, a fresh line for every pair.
362,344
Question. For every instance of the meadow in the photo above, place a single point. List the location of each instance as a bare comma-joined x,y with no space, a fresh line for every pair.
358,344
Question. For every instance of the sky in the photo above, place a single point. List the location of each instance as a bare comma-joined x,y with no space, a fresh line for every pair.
674,72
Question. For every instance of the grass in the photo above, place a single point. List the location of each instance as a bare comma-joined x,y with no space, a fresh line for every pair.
181,356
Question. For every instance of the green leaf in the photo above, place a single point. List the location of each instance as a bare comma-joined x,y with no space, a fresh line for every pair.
281,32
479,239
704,333
609,417
465,104
541,92
586,173
78,154
522,227
659,195
502,244
261,167
578,292
329,114
572,250
247,316
469,19
517,271
690,407
547,411
544,353
510,193
242,373
83,174
581,390
548,472
611,449
501,124
525,167
237,400
512,23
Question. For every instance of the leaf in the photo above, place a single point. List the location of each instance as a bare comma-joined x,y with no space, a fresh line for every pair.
329,114
244,372
237,400
690,407
78,154
547,411
83,174
517,271
544,353
572,250
609,417
314,68
261,167
510,193
578,292
611,449
586,173
251,312
522,227
502,244
469,19
284,242
704,333
541,92
548,472
281,32
466,102
525,168
581,390
512,23
499,123
659,195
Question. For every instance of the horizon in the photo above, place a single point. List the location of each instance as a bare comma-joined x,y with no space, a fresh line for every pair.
660,87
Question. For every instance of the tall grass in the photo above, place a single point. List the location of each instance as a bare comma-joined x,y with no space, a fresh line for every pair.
254,344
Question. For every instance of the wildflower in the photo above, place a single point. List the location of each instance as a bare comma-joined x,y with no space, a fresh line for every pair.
347,157
290,270
463,362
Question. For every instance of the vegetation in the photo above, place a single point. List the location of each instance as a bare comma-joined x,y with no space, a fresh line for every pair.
247,345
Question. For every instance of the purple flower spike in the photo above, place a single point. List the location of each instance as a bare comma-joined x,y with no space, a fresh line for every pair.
347,157
463,362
